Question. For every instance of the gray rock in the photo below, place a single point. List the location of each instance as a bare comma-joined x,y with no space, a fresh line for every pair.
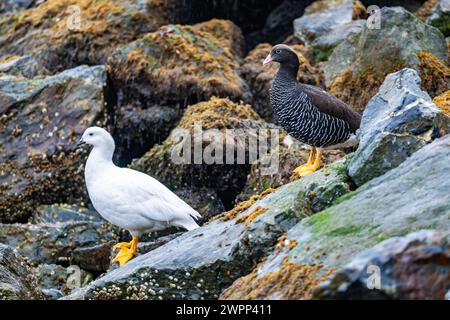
397,122
416,266
53,277
17,280
94,258
25,66
323,46
200,263
411,197
440,17
402,35
54,243
42,118
50,214
321,19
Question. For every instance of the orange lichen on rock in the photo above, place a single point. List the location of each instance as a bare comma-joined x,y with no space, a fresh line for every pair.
434,72
89,29
425,10
244,205
248,218
443,102
180,61
217,113
359,10
291,281
358,87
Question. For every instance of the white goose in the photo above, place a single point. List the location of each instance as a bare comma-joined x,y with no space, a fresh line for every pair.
130,199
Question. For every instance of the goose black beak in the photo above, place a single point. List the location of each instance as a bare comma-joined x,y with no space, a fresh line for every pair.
80,143
268,59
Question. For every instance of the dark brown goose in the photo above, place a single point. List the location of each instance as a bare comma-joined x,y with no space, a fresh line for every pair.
309,114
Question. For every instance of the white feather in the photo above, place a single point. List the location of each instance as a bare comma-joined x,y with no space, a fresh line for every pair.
131,199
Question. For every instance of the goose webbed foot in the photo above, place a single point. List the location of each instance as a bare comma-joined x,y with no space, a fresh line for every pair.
127,251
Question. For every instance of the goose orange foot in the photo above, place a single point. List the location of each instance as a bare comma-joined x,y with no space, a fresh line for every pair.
127,251
314,163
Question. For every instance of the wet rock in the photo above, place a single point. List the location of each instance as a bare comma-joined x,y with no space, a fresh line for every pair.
201,263
17,281
440,17
42,118
416,266
55,277
411,197
65,33
54,243
322,17
25,66
358,66
397,122
260,77
95,258
157,76
51,214
184,161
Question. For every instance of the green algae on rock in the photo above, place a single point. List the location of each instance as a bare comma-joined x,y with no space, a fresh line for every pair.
411,197
203,262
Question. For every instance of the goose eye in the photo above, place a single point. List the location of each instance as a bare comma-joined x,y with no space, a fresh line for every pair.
278,51
91,134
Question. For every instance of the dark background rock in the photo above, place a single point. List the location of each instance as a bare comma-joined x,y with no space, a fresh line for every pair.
42,119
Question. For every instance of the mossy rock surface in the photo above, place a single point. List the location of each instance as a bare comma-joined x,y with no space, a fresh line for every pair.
157,76
42,120
66,33
202,262
440,17
411,197
358,66
180,162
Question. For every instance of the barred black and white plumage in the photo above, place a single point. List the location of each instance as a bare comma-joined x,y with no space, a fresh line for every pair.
301,119
309,114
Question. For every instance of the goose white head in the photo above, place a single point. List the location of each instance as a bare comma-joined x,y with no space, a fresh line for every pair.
99,138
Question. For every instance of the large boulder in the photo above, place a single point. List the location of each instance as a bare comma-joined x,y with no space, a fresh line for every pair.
201,263
440,17
324,16
42,118
358,66
157,76
260,77
202,146
416,266
411,197
17,281
397,122
65,33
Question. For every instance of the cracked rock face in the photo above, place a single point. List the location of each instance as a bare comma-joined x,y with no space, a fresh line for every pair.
397,122
416,266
